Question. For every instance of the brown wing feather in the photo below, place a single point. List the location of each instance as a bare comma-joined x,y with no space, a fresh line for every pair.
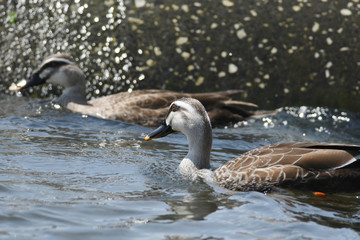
148,107
280,164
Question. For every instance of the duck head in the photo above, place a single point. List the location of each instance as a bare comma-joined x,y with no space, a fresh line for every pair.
58,69
188,115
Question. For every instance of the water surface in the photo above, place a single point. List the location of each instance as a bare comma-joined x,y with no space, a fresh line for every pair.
68,176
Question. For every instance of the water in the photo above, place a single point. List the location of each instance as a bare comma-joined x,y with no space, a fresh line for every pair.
67,176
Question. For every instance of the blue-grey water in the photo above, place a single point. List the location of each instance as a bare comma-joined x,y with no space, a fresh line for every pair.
68,176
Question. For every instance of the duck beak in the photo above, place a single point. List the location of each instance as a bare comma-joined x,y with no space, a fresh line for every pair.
33,80
160,132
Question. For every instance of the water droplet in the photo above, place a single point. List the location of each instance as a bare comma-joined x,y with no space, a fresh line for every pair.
232,68
227,3
241,34
345,12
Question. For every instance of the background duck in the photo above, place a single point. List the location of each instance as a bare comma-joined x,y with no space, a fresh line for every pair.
143,107
313,165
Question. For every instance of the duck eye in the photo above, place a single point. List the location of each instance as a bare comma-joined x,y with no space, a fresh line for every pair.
174,108
50,64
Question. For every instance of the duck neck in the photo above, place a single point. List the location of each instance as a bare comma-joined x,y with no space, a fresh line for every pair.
200,142
73,94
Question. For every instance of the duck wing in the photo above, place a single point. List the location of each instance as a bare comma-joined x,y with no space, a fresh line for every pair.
148,107
291,163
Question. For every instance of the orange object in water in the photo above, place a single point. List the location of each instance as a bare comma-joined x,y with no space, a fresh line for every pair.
319,194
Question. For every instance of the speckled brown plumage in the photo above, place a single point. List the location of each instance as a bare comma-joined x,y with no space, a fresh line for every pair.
148,107
288,164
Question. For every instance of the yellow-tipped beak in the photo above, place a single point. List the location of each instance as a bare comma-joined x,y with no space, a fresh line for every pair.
14,87
160,132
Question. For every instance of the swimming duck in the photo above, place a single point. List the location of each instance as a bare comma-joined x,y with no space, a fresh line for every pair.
261,169
143,107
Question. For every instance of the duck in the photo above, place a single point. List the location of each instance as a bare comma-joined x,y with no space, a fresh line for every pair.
143,107
295,164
